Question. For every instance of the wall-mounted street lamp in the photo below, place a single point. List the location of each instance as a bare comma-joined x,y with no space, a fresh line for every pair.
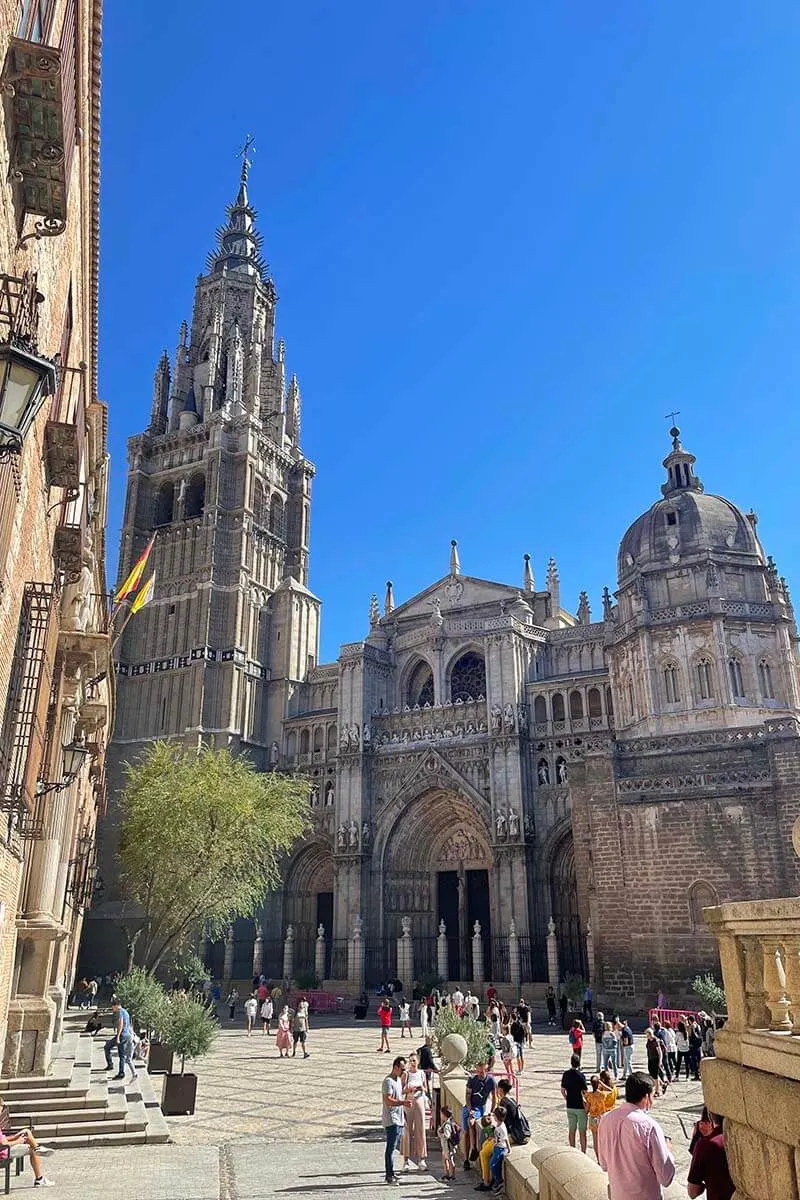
25,379
74,756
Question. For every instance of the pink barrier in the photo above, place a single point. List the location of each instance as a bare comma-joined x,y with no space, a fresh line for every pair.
322,1002
668,1016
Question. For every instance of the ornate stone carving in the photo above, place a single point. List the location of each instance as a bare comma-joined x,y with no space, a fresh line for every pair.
462,847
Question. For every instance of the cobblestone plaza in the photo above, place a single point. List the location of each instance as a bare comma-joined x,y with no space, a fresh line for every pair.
268,1127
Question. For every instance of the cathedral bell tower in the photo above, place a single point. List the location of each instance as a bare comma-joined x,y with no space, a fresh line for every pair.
220,477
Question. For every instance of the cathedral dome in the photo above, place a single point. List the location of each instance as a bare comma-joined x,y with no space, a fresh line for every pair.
687,522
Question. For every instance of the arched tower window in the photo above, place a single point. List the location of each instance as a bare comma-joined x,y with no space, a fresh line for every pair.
595,703
765,679
319,738
701,895
259,504
165,504
195,498
277,516
331,737
468,677
305,742
540,710
671,686
609,702
558,707
705,678
420,686
735,674
576,706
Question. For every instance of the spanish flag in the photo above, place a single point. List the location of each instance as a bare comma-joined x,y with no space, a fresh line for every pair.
132,582
145,595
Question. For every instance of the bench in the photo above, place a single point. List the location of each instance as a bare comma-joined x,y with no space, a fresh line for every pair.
16,1154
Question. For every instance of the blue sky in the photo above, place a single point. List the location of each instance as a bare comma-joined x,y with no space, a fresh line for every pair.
508,237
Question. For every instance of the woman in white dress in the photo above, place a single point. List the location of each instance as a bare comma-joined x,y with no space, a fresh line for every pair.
415,1089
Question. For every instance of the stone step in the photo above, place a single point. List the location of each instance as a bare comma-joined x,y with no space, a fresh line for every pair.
112,1124
27,1096
142,1138
58,1104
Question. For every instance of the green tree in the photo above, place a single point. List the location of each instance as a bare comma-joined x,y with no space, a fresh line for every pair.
202,835
143,997
189,1028
710,992
473,1032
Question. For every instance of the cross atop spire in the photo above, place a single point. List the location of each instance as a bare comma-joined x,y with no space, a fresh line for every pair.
238,241
249,144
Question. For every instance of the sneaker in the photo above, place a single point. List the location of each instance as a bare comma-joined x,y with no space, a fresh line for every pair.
483,1187
497,1188
467,1165
43,1182
473,1155
422,1165
394,1181
406,1165
118,1076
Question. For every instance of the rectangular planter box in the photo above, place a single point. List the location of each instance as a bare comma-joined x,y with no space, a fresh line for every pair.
180,1093
159,1060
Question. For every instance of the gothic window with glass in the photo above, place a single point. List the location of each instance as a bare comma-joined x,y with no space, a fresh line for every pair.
765,679
558,707
468,677
735,672
705,680
277,516
671,687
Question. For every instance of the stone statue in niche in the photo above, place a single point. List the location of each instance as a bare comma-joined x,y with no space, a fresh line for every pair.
513,823
405,925
543,771
500,825
353,837
509,720
366,836
341,837
274,754
561,771
436,615
522,717
344,738
321,932
476,929
497,719
367,736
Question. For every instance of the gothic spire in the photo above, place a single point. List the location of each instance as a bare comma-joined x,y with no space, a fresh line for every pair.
239,242
388,605
528,581
455,562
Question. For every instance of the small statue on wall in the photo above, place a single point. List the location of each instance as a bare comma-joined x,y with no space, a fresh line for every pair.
561,770
500,825
509,720
353,835
497,719
543,772
341,837
513,823
366,836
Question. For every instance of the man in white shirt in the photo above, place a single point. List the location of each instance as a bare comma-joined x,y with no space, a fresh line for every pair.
458,1000
394,1117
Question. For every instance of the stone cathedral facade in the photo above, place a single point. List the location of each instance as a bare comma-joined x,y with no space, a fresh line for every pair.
482,754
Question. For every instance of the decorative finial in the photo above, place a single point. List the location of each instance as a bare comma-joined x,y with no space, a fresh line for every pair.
529,582
607,610
674,432
184,333
388,604
584,611
374,611
249,144
455,564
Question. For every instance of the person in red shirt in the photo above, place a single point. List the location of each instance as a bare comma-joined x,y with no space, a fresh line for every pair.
576,1037
385,1021
709,1170
491,995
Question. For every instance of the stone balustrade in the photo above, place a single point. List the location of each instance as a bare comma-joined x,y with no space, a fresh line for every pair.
754,1081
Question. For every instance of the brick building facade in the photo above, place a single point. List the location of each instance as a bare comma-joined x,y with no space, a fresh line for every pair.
55,683
483,761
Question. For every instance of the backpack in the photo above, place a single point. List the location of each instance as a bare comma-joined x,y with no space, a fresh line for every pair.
455,1134
522,1130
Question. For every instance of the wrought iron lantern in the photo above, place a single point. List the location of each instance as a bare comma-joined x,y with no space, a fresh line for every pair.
75,755
25,380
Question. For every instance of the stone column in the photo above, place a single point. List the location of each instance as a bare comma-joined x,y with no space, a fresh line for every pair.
405,954
552,954
477,954
288,954
514,966
319,954
227,967
355,955
441,952
258,951
590,950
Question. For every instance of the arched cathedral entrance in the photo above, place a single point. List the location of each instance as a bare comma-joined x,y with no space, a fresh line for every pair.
436,867
564,907
308,901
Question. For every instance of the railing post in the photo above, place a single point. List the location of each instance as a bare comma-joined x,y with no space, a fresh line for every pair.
258,951
227,966
552,954
355,955
775,986
442,967
319,954
758,1016
405,954
514,966
477,954
288,955
792,966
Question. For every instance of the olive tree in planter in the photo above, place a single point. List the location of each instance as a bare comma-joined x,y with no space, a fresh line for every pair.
190,1031
146,1001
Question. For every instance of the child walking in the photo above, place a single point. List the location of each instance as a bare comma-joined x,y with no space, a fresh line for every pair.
447,1137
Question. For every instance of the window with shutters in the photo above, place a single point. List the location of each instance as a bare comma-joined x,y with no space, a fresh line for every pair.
25,721
69,83
35,19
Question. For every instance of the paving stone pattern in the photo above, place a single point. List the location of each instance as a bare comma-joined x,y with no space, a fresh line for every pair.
268,1127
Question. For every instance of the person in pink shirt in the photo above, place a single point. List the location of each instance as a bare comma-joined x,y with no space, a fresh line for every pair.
631,1146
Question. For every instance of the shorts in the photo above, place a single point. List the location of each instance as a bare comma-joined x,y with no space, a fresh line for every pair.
518,1049
468,1114
299,1035
577,1119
